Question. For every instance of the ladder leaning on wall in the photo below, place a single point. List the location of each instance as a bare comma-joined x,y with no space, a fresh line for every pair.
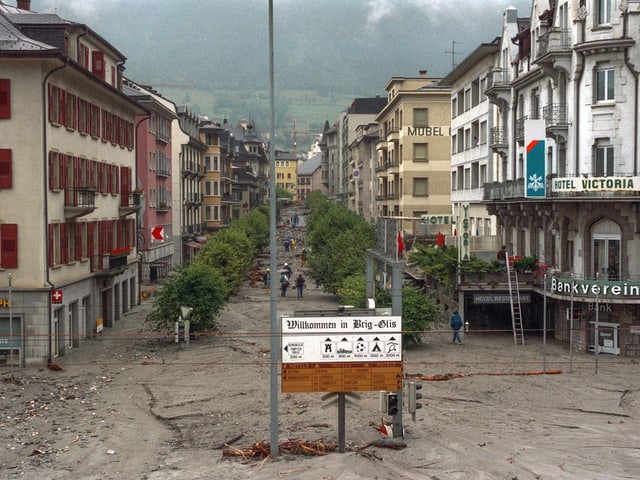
514,300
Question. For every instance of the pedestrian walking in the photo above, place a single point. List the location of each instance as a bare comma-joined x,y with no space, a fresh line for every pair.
286,245
266,278
287,269
456,324
299,285
284,284
303,257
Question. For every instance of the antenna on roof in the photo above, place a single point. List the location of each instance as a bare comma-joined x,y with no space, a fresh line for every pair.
453,53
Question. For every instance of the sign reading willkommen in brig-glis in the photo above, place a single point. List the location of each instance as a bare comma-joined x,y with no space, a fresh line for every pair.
343,353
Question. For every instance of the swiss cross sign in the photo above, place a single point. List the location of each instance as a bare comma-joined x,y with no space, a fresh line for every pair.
56,296
157,233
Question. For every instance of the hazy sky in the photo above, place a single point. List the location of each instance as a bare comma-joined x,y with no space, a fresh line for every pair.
399,36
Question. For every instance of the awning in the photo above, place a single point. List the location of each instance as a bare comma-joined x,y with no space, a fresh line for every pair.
194,245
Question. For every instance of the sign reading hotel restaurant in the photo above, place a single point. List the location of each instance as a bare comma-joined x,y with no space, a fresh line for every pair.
490,298
595,184
338,354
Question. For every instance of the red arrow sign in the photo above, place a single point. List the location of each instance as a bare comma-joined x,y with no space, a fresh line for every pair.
157,233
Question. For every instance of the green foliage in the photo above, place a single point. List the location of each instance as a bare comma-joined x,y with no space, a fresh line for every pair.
526,264
283,193
477,265
256,226
228,258
440,263
338,241
353,292
197,286
419,311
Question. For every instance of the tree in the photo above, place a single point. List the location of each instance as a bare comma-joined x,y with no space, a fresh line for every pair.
419,311
228,259
197,286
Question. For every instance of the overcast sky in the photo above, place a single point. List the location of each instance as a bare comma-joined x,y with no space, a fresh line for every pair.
161,38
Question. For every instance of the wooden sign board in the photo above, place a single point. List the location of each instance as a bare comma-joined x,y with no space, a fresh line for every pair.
341,377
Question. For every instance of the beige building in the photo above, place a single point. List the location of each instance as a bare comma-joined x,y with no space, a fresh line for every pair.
67,193
287,172
413,161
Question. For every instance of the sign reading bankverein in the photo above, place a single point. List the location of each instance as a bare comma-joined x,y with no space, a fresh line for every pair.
341,354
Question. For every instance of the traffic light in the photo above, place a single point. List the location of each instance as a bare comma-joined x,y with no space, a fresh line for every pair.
414,396
392,403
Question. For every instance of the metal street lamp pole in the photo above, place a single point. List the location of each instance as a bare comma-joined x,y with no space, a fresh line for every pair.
11,328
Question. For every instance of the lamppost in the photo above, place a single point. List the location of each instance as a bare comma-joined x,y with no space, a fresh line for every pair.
10,328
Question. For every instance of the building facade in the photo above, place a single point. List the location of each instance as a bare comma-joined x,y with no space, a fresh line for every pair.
567,187
154,161
188,173
67,194
413,161
472,161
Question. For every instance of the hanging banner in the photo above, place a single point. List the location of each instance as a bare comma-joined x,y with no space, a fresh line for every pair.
535,159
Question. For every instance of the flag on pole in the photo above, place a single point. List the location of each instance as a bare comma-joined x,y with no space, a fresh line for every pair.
400,244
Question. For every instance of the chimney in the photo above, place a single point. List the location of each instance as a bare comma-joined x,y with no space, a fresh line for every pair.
24,5
423,73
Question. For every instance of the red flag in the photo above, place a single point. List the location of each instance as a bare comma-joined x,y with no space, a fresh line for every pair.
400,244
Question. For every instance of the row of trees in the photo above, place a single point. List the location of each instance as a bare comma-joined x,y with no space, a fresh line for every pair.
338,240
219,269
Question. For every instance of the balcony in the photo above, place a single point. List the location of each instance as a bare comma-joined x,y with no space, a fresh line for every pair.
519,129
556,119
129,203
162,207
509,190
498,141
393,135
498,89
112,263
79,201
554,52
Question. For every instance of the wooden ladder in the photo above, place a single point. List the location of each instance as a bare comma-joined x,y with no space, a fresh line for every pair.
514,299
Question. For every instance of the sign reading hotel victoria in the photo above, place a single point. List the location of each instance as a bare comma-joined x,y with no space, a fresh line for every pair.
595,184
341,354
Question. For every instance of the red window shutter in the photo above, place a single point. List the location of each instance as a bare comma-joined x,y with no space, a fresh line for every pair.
52,254
90,246
5,168
63,171
97,64
64,243
9,245
5,98
77,254
131,232
62,107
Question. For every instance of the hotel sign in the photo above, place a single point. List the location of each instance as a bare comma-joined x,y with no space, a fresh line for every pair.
595,184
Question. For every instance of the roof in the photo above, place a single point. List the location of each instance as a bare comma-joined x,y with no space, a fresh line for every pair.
472,59
13,40
367,105
285,155
311,165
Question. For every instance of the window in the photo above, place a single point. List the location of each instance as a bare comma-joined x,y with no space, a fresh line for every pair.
420,117
5,98
603,160
420,152
420,187
9,245
5,168
604,12
207,212
605,79
97,64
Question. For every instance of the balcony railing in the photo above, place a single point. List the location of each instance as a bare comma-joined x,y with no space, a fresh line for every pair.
556,115
556,40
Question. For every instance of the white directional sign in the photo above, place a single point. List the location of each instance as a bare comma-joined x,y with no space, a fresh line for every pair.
341,339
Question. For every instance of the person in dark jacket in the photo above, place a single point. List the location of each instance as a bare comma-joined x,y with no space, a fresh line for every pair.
456,324
299,284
